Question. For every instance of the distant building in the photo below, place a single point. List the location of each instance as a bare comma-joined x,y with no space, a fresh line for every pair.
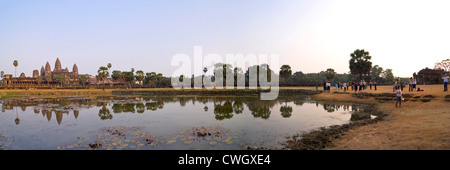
71,77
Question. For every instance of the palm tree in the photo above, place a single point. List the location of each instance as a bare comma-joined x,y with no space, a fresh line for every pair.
39,79
15,63
83,79
109,65
360,63
285,72
140,76
159,78
151,77
103,74
203,76
48,78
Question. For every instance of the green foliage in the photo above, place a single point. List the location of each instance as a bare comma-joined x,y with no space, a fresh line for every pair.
83,79
388,75
330,74
360,63
117,75
285,72
39,79
103,73
140,76
48,78
61,78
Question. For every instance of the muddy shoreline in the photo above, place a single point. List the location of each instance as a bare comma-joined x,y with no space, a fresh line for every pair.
323,138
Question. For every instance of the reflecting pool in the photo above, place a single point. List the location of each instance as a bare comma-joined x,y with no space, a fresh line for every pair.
162,123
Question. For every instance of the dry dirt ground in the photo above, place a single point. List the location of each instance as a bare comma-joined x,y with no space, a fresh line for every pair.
417,125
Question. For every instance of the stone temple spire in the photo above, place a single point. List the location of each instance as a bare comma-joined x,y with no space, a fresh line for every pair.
47,68
57,65
75,69
42,71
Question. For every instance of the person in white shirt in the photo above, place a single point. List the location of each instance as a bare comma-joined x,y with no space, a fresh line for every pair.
445,81
345,86
410,84
399,97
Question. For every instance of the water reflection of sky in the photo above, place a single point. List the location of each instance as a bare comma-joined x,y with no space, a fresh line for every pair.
45,124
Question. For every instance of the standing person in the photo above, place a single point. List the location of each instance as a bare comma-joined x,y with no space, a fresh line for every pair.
394,86
402,84
370,84
414,83
445,81
399,97
375,84
410,85
345,86
324,86
360,84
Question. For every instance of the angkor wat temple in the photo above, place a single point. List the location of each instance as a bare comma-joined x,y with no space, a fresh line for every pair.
71,77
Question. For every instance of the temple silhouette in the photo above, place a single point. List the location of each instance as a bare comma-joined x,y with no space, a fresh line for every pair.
72,77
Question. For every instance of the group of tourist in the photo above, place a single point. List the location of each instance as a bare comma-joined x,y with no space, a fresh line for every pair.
362,85
398,86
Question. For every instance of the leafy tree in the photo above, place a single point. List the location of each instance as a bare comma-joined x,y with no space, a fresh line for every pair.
116,75
388,75
360,63
61,79
330,74
376,72
224,68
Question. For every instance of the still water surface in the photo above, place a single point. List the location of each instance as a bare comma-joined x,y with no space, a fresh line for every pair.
162,122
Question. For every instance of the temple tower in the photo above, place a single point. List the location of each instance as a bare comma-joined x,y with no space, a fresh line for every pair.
35,73
42,71
48,70
75,70
57,66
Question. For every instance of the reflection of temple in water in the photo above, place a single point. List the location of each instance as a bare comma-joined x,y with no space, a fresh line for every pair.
46,113
224,107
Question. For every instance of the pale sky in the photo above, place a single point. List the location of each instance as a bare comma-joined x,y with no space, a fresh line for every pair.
309,35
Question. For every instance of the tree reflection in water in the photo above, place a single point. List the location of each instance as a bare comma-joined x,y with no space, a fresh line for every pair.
224,107
223,111
104,113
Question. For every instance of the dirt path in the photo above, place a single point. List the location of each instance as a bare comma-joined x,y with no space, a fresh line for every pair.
416,125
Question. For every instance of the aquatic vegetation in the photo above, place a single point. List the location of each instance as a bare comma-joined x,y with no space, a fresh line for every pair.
137,138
